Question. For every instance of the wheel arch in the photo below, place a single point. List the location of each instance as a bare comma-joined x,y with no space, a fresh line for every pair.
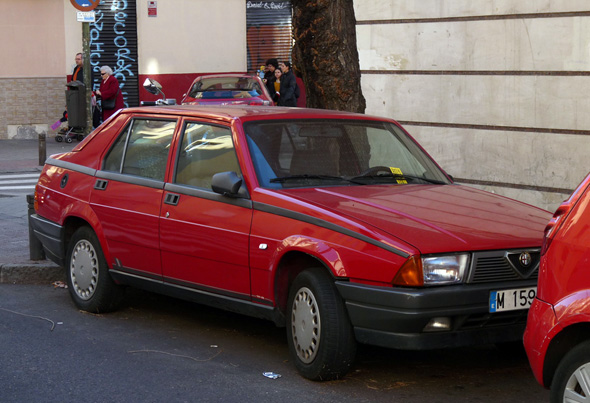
71,225
563,342
291,264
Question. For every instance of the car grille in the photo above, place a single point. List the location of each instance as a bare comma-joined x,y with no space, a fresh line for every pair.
494,266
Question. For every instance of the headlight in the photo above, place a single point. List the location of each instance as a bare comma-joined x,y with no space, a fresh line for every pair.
448,269
432,270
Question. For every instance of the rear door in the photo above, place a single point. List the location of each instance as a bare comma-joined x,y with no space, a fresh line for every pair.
127,194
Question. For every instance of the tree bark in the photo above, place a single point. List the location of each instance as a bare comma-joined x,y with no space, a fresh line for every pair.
325,54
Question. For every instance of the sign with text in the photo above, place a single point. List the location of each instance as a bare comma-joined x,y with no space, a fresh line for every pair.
86,16
152,8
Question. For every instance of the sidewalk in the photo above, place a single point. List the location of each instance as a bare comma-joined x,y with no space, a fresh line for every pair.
22,156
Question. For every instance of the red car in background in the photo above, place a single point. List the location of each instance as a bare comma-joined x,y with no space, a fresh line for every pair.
335,225
557,336
228,89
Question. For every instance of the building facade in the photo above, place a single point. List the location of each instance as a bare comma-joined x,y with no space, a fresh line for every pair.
496,91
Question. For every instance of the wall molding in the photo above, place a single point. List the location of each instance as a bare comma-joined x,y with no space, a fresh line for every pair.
567,14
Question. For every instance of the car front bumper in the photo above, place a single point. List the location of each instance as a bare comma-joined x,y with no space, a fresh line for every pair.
397,317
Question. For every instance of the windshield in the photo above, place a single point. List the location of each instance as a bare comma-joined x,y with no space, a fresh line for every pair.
300,153
225,87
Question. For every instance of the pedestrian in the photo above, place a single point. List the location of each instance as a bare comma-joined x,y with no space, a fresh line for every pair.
110,93
272,65
78,73
288,86
276,89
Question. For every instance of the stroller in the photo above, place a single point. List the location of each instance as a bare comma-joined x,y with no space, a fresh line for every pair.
67,133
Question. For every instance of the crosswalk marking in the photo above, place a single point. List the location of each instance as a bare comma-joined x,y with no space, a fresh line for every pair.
12,183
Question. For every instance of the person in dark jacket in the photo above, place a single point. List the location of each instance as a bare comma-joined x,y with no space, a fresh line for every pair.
288,86
269,75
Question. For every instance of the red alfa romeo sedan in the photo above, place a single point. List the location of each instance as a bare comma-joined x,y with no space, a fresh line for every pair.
337,226
557,336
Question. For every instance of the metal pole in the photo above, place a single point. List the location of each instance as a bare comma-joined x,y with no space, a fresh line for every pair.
87,81
42,149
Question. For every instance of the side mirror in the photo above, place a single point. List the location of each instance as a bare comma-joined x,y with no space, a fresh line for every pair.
153,87
226,183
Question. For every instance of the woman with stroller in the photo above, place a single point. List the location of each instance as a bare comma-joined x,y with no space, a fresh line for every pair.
110,93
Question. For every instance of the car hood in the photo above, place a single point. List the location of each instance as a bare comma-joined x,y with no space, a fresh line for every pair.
435,218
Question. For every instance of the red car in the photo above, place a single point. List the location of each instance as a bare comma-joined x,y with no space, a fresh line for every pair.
228,89
338,226
557,337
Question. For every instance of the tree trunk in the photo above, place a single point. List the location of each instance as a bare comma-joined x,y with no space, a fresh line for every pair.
325,54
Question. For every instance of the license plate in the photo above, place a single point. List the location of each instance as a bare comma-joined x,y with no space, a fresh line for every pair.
510,300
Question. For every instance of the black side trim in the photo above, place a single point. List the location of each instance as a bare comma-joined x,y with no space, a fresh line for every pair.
71,166
202,297
134,180
50,236
326,224
207,195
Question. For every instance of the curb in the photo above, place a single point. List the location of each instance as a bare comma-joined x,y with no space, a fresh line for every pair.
30,273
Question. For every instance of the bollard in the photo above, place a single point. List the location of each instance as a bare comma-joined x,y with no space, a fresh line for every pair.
42,149
36,251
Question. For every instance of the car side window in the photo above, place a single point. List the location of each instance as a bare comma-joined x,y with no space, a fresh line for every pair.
205,150
142,149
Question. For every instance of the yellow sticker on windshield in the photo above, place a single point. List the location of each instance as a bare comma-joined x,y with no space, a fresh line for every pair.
397,171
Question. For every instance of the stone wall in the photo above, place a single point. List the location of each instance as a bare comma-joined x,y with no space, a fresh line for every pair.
497,92
29,106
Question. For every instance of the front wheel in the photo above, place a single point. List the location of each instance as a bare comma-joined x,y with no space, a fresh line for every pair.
571,382
89,281
320,336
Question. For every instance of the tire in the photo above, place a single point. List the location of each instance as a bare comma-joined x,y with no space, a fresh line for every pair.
89,281
575,364
59,138
319,334
69,139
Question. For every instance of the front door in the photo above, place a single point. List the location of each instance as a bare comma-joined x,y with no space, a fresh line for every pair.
204,235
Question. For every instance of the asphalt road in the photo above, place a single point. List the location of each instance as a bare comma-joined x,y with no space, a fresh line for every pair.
159,349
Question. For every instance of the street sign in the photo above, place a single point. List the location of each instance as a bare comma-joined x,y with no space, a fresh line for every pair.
86,16
85,5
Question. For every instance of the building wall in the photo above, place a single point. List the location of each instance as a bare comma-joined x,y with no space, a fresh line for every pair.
496,91
32,80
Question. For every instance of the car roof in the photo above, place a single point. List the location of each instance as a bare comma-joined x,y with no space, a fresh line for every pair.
247,113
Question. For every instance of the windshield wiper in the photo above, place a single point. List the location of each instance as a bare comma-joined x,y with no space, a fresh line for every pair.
400,176
321,177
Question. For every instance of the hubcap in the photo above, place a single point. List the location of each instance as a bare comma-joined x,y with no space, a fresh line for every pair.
84,269
306,325
577,388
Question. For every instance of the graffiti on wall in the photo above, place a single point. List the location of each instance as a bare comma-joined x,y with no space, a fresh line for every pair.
113,43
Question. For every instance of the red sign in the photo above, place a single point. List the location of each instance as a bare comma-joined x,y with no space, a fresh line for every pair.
85,5
152,8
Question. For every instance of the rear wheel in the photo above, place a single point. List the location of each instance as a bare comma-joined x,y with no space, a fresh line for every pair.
89,282
571,382
320,336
